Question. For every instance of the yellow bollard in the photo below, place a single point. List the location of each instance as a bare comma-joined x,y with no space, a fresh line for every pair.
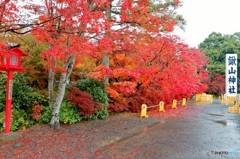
184,102
144,111
174,104
161,107
238,107
198,97
233,109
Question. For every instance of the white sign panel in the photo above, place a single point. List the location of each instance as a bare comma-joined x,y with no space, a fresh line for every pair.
231,74
10,89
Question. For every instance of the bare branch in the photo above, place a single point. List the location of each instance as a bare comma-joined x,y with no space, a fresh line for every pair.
18,27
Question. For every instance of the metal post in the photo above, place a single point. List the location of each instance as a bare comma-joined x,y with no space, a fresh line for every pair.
8,102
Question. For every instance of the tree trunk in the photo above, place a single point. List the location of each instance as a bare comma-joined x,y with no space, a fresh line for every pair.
51,87
105,62
106,59
57,104
51,78
61,91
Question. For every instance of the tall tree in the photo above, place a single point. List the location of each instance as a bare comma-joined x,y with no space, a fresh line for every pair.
149,68
216,46
131,40
72,24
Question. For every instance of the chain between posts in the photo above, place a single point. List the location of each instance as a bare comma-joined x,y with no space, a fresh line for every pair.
161,106
153,106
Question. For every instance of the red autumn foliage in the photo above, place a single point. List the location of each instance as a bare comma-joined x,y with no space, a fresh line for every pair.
36,109
82,100
155,71
117,105
216,84
147,65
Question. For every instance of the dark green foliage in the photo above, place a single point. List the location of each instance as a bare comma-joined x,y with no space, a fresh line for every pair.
2,114
41,99
3,78
95,88
21,93
46,115
23,98
216,46
101,114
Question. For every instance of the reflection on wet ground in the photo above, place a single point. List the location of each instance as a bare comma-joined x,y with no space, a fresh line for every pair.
215,114
201,131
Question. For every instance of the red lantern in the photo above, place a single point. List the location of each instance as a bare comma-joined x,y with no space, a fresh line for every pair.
10,62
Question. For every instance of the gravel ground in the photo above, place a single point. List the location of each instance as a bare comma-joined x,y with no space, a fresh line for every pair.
81,140
96,139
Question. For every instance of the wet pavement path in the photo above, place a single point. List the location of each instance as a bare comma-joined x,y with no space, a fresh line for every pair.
198,131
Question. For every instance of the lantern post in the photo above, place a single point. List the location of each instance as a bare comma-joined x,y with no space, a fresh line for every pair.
10,62
8,102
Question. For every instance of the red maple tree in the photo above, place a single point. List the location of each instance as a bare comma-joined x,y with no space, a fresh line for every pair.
129,42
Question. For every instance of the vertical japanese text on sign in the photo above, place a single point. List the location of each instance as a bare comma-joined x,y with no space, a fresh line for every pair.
231,74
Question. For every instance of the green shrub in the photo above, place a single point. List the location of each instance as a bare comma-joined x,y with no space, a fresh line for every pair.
23,96
2,115
95,88
21,93
3,78
46,115
69,114
101,114
2,101
23,99
39,98
99,94
19,120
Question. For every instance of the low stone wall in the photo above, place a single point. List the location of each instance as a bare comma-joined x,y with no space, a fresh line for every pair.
231,99
204,98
